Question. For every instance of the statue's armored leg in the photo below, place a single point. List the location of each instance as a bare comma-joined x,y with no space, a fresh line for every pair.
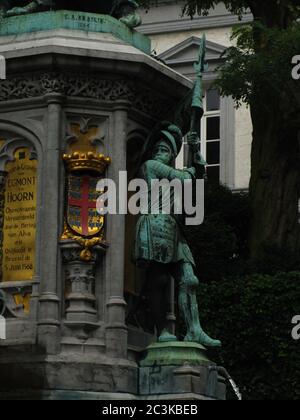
188,305
158,279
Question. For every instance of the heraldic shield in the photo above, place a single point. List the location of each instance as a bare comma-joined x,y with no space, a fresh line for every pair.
82,215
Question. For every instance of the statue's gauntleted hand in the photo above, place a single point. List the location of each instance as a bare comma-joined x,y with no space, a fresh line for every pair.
193,141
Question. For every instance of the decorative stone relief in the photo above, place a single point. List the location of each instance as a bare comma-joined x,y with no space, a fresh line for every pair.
85,86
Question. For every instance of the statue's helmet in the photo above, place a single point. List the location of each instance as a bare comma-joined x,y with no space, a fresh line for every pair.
173,135
165,131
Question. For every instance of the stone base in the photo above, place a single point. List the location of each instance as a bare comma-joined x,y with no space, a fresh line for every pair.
69,376
179,370
57,395
171,371
49,395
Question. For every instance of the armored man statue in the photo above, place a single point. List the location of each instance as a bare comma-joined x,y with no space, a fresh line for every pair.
160,246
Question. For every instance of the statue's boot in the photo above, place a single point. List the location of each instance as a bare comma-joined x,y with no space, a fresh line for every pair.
203,339
195,331
166,337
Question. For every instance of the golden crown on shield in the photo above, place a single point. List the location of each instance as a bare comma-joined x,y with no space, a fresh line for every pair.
88,161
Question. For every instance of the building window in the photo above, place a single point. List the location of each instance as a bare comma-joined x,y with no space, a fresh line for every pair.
210,136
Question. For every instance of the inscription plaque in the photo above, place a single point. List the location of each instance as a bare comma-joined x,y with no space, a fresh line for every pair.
19,226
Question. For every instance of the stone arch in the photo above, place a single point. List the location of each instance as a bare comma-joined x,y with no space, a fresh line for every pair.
17,134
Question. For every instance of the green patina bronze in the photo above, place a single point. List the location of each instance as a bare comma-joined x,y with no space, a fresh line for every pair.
175,354
125,10
160,245
65,19
197,107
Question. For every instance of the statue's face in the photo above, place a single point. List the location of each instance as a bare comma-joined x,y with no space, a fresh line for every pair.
163,153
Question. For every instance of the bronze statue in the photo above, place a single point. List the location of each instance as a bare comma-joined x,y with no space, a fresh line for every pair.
160,246
125,10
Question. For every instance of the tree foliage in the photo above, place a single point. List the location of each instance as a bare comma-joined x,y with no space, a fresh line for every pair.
259,75
272,12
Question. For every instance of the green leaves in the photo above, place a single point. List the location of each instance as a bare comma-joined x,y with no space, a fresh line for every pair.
273,12
258,69
201,7
252,316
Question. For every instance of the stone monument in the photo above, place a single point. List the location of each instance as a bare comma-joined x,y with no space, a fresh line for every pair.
82,94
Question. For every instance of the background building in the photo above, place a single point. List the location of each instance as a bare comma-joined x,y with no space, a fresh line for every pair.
226,131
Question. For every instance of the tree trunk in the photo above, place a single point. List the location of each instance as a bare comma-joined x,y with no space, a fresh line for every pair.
274,186
272,14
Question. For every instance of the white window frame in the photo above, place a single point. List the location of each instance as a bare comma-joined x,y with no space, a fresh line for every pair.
204,141
227,139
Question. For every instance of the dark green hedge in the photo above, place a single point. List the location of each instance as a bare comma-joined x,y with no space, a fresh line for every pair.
252,316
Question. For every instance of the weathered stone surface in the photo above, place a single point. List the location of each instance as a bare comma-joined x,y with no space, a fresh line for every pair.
67,374
179,368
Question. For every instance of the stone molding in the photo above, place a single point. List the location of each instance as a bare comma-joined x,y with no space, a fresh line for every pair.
84,86
198,23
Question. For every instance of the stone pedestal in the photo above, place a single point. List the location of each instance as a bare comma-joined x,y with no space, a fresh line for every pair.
179,370
80,282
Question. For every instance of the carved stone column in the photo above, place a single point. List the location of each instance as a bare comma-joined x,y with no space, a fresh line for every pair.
80,282
2,199
49,302
116,330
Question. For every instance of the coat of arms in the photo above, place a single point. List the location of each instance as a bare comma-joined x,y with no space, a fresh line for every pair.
82,215
83,223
